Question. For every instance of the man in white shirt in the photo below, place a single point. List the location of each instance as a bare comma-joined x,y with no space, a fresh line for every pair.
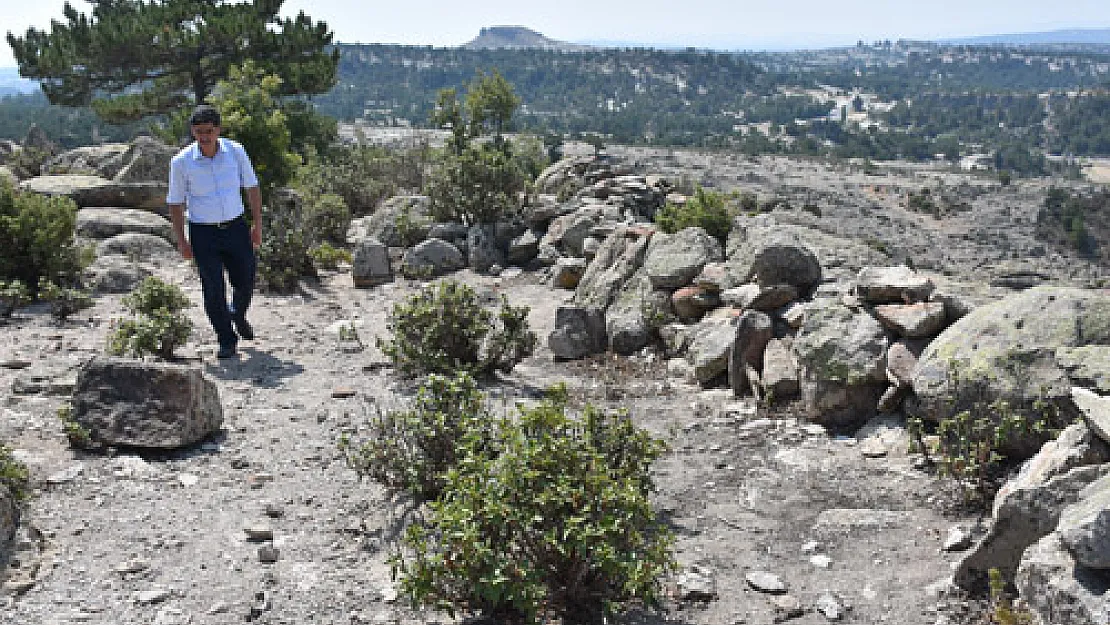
205,182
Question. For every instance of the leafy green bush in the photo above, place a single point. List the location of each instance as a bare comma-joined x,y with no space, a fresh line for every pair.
327,218
553,523
283,257
706,209
444,329
413,450
64,301
13,474
13,294
363,175
480,184
36,236
325,256
160,326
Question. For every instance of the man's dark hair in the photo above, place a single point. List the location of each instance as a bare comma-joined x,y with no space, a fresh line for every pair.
205,114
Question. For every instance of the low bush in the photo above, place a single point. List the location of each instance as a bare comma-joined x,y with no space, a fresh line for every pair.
413,450
64,301
552,523
326,256
363,175
13,474
444,329
705,209
327,218
36,236
480,184
13,294
158,328
283,258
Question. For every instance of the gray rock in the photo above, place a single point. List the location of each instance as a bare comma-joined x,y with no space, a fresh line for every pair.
132,403
958,539
569,232
431,258
780,370
676,338
146,160
115,274
842,362
1087,366
1057,590
901,361
523,248
1028,506
710,345
482,249
618,258
914,321
756,297
137,246
1095,410
998,348
579,332
955,306
1084,526
66,185
9,519
674,260
370,264
763,251
568,272
91,160
635,314
829,607
753,331
885,285
697,584
382,223
714,277
691,302
794,314
144,195
104,223
765,582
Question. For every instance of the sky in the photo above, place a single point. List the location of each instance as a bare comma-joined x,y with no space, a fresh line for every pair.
719,24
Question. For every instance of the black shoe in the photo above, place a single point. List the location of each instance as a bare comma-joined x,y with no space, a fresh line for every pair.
243,328
226,351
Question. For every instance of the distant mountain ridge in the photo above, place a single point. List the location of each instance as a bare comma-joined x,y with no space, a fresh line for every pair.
1086,36
518,37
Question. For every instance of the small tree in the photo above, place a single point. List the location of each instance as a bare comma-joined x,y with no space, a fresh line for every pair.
159,328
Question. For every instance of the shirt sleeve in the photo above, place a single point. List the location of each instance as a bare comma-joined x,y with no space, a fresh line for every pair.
176,193
247,177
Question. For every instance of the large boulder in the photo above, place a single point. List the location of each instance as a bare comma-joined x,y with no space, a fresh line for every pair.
115,273
1087,366
431,258
1028,506
674,260
148,195
618,258
482,249
1084,526
409,210
710,346
1008,350
761,251
635,314
579,332
146,160
104,223
66,184
842,359
370,264
1060,591
892,285
93,160
131,403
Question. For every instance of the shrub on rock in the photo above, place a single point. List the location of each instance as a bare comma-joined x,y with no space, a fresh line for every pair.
159,328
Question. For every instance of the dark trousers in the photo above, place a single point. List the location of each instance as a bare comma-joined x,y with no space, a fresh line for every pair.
216,250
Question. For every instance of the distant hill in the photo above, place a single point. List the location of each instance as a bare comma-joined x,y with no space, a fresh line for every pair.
517,38
1086,36
11,83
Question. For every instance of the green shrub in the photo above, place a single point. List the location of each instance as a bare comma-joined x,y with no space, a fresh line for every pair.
325,256
64,301
327,218
13,294
159,327
363,175
13,474
412,450
553,524
444,329
283,258
480,184
706,209
36,236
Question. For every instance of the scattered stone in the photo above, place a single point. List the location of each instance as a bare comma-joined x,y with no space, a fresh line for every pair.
830,607
957,540
370,264
765,582
885,285
259,533
697,584
150,597
343,392
131,567
913,321
820,561
268,554
188,479
786,607
1084,526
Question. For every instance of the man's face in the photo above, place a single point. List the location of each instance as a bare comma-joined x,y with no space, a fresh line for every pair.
205,134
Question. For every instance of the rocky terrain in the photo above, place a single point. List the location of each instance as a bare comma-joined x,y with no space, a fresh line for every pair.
808,511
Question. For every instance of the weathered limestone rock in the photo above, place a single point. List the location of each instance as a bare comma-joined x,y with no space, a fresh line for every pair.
431,258
691,302
90,160
370,264
618,258
1095,410
115,274
1057,590
780,370
1028,506
1087,366
756,297
133,403
66,185
760,250
901,361
137,245
842,360
1084,526
569,232
1000,347
579,332
886,285
482,249
674,260
914,321
145,195
103,223
636,312
523,248
753,331
146,160
382,223
710,344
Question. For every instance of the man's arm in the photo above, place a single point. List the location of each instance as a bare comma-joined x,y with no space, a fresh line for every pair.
254,199
177,216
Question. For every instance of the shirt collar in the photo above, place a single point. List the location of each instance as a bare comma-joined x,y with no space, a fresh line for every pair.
196,154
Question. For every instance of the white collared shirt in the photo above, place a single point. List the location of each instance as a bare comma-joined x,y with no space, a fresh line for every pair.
210,187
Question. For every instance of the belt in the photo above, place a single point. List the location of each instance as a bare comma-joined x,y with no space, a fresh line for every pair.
222,225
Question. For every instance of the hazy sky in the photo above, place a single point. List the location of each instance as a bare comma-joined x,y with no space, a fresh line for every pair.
724,24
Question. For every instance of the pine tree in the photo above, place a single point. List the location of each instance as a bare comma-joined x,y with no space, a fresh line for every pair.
133,58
